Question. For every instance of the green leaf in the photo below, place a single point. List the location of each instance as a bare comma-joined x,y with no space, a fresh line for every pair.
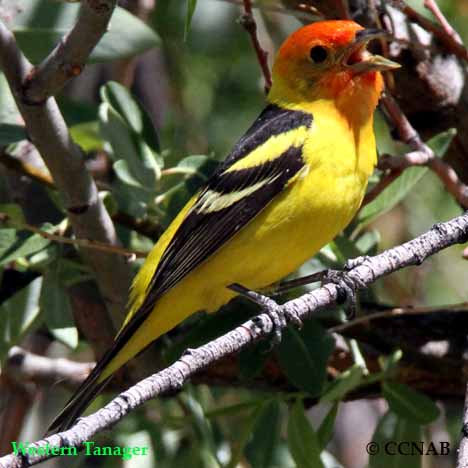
19,315
326,429
391,431
122,101
343,384
11,133
245,433
201,424
441,142
200,165
87,135
253,359
368,242
8,111
260,449
302,440
7,240
398,189
17,244
66,335
130,199
303,356
73,272
392,195
14,213
123,173
389,363
109,201
409,403
191,4
42,24
344,248
129,146
56,307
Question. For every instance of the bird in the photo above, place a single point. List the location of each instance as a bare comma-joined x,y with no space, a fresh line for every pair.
291,183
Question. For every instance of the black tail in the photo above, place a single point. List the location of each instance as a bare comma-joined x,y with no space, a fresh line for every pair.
91,387
85,394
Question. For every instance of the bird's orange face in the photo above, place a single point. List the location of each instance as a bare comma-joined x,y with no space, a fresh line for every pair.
329,58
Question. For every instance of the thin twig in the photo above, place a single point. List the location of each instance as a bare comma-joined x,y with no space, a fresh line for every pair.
192,361
130,255
432,6
381,185
248,22
397,312
447,40
422,154
68,58
309,11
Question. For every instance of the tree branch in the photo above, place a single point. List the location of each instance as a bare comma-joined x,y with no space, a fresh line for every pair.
192,361
450,42
26,366
398,312
129,255
422,157
88,216
68,58
432,6
422,154
248,22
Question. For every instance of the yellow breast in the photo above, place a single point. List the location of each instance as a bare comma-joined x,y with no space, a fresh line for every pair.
315,207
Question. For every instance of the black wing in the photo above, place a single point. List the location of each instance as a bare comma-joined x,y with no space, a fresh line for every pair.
209,225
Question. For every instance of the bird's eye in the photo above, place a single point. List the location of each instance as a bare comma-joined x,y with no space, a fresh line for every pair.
318,54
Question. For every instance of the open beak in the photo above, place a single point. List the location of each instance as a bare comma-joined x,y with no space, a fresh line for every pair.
360,60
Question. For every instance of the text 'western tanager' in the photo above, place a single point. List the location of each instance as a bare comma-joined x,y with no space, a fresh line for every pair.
291,183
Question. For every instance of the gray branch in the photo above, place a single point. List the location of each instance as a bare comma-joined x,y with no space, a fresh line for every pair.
87,214
68,58
24,365
192,361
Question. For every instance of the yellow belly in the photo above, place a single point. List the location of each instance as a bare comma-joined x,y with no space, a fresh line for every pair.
308,214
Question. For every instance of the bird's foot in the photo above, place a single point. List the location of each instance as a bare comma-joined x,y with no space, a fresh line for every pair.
279,316
347,287
321,276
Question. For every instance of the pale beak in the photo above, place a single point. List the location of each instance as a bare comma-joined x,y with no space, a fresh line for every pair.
360,60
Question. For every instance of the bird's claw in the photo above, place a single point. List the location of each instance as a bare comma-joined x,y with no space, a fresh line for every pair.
279,316
347,288
280,319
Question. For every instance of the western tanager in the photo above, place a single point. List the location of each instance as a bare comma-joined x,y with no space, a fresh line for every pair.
291,183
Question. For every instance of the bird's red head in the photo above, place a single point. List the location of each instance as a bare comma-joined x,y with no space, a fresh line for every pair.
326,59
